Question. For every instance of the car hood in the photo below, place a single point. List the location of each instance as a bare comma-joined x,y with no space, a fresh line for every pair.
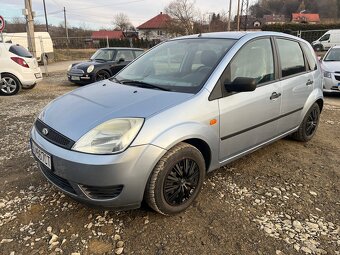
331,66
77,112
85,65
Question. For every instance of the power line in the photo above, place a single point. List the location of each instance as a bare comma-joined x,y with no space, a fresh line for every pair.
105,5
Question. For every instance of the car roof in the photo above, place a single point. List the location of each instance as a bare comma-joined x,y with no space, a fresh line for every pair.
120,48
238,35
336,47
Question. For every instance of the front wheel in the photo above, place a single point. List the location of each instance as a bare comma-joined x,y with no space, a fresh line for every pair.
176,180
102,75
309,124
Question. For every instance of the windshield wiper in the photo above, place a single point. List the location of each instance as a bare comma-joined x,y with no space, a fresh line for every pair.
99,59
142,84
115,79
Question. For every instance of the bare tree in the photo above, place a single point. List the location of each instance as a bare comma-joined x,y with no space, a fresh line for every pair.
183,13
121,21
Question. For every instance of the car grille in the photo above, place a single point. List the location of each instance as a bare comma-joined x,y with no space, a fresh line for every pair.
77,72
337,77
57,180
102,193
53,136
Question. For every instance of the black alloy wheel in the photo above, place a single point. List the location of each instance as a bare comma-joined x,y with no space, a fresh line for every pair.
176,180
102,75
181,182
309,125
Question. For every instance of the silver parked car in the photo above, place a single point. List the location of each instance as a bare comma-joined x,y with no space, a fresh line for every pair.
184,108
331,70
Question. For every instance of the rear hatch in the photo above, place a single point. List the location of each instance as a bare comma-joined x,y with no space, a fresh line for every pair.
27,56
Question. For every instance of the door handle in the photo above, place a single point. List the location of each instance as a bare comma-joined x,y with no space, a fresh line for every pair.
275,95
309,82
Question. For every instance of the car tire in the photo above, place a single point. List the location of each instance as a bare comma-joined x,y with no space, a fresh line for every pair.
169,177
309,124
101,75
9,85
29,87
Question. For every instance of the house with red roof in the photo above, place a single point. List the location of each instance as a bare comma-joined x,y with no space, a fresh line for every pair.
311,18
155,28
105,34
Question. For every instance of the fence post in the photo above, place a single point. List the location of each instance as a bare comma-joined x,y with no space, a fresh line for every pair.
43,55
107,42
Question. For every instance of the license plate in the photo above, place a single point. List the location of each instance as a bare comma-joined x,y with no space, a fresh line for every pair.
43,157
37,75
75,78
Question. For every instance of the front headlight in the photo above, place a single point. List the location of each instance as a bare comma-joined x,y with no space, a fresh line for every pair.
110,137
69,67
90,69
327,74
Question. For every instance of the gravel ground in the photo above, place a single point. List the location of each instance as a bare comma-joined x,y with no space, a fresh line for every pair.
283,199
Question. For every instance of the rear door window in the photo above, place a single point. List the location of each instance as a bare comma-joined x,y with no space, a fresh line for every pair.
291,57
20,51
310,57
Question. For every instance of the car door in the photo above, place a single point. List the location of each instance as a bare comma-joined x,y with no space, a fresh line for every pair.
249,119
325,40
296,81
122,58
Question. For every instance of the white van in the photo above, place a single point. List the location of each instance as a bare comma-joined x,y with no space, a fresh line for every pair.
21,39
328,40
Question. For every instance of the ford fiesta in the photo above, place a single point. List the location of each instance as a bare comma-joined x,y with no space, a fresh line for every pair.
185,108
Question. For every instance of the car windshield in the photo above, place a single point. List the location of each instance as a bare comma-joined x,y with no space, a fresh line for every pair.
333,55
103,54
180,65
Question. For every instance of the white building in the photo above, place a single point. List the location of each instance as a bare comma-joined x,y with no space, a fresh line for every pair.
155,28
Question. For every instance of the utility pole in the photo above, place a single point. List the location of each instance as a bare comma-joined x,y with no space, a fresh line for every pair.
229,19
238,15
65,24
45,16
30,27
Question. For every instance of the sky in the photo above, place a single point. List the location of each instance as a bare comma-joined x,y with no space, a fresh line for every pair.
97,14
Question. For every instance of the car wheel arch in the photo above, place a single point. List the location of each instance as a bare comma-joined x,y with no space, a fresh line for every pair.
4,73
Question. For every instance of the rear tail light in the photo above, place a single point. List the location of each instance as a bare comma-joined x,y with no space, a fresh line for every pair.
20,61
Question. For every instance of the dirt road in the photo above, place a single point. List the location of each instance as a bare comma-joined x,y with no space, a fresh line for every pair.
283,199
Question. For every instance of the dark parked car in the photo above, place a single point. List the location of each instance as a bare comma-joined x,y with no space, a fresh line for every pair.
105,63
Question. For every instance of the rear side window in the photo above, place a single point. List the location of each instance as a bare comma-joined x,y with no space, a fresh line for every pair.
291,57
310,57
20,51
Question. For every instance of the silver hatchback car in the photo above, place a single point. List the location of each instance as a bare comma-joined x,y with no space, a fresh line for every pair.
182,109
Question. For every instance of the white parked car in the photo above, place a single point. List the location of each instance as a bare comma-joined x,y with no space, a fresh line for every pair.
331,70
18,69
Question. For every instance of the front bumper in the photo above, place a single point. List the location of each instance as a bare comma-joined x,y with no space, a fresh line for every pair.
79,76
331,85
104,180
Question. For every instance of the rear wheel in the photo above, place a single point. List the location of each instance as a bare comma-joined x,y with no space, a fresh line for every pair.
309,124
102,75
9,85
176,180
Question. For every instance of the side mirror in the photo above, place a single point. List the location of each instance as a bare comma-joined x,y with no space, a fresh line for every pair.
121,60
319,58
241,84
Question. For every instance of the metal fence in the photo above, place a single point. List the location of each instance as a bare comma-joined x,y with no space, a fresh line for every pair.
309,35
